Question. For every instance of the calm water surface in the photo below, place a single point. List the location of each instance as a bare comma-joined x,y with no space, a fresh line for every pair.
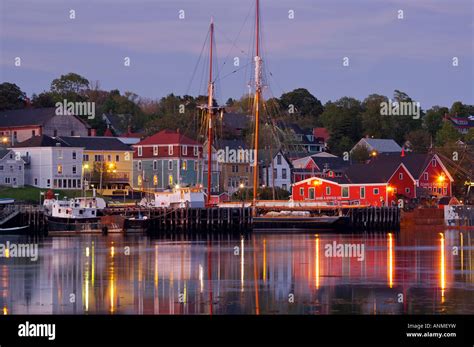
397,273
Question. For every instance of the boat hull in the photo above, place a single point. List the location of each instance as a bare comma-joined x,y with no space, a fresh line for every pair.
71,226
296,223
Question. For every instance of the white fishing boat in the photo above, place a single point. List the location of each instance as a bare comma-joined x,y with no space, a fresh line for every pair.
179,197
76,214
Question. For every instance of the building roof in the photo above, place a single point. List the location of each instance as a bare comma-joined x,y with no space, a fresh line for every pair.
168,137
331,163
96,143
231,144
414,162
380,145
29,117
322,133
3,153
42,141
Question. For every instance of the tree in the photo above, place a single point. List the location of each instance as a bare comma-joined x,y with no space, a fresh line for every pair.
420,140
304,103
470,135
433,119
360,154
458,108
11,97
447,134
70,83
373,123
45,99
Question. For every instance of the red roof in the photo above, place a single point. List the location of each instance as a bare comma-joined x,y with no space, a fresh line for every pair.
321,133
168,137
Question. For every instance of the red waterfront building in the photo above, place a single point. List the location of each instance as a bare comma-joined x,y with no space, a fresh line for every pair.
381,182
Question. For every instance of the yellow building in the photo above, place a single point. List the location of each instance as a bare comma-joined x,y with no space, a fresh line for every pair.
107,164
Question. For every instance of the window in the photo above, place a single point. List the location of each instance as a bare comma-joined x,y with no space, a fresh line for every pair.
19,168
48,183
275,173
155,180
139,180
279,159
311,193
425,176
74,169
117,157
7,180
33,132
184,165
407,190
155,165
400,176
302,191
328,190
195,165
85,157
155,150
140,151
185,150
36,181
170,149
283,173
345,192
376,191
433,162
60,154
196,152
235,168
72,132
60,169
283,186
109,157
429,189
98,157
170,180
74,155
170,165
1,167
445,191
139,165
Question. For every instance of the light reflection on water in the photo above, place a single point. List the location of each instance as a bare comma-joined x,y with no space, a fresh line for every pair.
407,272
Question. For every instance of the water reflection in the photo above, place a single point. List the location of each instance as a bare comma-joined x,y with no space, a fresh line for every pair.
407,272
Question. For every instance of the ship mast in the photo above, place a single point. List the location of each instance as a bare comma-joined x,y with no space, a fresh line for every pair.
258,90
209,109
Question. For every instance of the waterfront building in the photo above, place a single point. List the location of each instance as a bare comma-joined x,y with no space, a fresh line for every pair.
20,125
51,162
12,169
319,166
166,159
107,163
275,169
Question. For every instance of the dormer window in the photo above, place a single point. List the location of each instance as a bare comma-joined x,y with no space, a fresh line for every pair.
155,150
140,151
170,149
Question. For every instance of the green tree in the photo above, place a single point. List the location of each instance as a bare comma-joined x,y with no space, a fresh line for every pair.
420,140
447,134
11,97
458,108
469,136
373,123
305,104
433,119
360,154
69,84
45,99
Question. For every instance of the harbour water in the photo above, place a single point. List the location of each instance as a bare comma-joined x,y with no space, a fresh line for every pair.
407,272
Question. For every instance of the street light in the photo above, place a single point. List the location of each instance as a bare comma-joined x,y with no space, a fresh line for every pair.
441,178
373,154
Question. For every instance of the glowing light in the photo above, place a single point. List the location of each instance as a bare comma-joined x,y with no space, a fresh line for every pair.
264,260
461,237
201,281
86,166
242,264
111,166
177,186
5,310
316,183
112,251
5,139
389,189
7,253
390,260
156,265
87,252
373,154
316,260
441,178
442,267
241,185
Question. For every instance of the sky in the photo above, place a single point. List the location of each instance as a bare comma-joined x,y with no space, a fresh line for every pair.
414,54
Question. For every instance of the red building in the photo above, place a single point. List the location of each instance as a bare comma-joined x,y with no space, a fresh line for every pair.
382,181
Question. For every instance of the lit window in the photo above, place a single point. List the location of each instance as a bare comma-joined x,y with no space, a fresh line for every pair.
60,169
170,180
155,180
184,165
155,150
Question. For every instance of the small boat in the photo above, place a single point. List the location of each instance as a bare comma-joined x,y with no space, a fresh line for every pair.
136,224
75,215
180,197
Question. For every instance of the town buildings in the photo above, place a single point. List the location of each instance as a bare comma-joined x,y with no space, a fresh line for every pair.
166,159
378,145
107,163
51,162
20,125
275,169
12,169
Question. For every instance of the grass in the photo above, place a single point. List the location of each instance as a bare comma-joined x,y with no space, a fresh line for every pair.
32,194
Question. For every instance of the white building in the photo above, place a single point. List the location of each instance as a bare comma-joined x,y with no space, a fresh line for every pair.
51,163
276,171
12,169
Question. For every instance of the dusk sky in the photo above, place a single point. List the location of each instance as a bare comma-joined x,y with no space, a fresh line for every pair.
414,54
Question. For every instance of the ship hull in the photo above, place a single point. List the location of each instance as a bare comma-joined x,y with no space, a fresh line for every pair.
301,224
